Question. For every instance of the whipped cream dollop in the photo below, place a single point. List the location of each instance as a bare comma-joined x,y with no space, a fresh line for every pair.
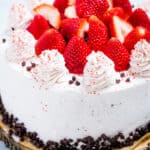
99,72
19,15
140,59
21,46
50,69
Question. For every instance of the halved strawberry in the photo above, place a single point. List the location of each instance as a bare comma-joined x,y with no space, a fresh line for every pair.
60,5
135,35
86,8
74,26
75,55
38,26
116,11
139,18
70,12
118,54
119,28
97,34
51,39
50,12
125,4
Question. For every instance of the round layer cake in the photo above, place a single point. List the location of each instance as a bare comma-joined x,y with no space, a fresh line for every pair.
75,79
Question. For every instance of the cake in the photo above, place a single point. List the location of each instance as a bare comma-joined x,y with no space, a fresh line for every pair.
75,75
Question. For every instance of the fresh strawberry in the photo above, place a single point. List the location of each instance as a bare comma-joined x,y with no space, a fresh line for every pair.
116,11
74,26
135,35
60,5
125,4
86,8
70,12
119,28
75,55
118,54
51,39
139,18
97,34
38,26
50,12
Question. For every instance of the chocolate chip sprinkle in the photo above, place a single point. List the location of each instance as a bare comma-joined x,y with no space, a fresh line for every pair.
128,80
23,63
3,40
122,75
77,83
12,28
118,81
33,65
73,78
70,82
29,68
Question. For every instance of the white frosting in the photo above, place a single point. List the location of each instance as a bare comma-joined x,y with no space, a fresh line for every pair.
21,46
99,72
140,59
19,15
50,68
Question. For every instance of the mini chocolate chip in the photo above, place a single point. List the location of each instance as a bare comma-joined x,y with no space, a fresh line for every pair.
29,68
3,40
33,65
122,75
128,80
77,83
13,29
23,63
73,78
117,81
70,82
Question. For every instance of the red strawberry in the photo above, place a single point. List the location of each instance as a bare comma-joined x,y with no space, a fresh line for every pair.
97,34
119,28
125,4
74,26
135,35
86,8
61,5
140,18
51,39
38,26
118,53
116,11
75,55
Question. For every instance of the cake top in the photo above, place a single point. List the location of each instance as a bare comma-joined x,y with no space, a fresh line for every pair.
101,42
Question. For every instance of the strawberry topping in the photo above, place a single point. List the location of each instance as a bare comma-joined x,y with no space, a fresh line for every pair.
75,55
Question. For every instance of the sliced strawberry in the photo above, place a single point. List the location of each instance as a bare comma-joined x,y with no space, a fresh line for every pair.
118,54
74,26
125,4
97,34
119,28
50,12
135,35
75,55
70,12
71,2
139,18
38,26
116,11
51,39
86,8
60,5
